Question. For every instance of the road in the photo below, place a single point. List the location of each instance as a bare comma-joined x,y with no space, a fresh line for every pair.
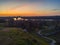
49,40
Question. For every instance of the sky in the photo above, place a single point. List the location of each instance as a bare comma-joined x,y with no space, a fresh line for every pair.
29,7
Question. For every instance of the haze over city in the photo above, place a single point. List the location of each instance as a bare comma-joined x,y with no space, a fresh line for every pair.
29,7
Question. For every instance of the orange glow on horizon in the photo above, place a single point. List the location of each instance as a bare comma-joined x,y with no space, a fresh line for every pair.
27,13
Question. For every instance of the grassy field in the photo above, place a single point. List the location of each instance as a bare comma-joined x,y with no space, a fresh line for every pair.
1,26
55,36
14,36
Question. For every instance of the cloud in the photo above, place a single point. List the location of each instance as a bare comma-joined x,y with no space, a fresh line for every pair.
23,8
55,9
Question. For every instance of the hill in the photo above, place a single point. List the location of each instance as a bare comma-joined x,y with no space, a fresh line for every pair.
16,36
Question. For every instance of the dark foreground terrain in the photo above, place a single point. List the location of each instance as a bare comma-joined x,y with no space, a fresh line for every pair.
16,36
30,30
56,37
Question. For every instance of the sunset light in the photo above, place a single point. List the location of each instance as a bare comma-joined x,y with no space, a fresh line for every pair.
29,8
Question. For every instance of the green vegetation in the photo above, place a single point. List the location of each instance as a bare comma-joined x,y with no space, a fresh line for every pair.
47,31
14,36
1,26
56,36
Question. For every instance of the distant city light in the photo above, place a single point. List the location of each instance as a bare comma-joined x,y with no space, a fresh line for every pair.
18,19
14,19
26,19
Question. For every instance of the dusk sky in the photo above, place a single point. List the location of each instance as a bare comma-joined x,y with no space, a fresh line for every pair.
29,7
